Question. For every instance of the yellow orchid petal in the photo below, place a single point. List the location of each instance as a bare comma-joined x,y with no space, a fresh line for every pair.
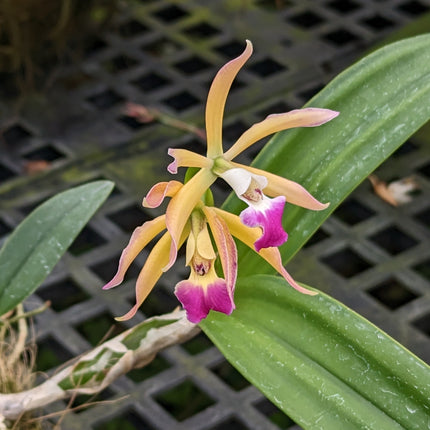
152,271
308,117
139,239
225,245
185,158
159,191
182,204
190,248
293,192
216,100
248,236
204,244
150,274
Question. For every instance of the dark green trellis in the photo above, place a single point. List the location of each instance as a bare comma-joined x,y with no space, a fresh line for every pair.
373,257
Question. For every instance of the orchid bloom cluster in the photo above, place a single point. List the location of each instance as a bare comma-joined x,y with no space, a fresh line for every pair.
191,217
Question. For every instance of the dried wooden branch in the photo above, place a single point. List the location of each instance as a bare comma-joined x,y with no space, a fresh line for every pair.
95,370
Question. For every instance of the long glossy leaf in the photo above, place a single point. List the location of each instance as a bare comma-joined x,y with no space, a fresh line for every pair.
37,244
318,361
382,100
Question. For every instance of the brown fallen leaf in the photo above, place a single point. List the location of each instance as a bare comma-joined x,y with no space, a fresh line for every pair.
395,193
35,166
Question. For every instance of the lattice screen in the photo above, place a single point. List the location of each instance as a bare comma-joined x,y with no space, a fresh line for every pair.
164,54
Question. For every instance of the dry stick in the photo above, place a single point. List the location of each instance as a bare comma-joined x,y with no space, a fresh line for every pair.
6,320
147,114
19,346
98,368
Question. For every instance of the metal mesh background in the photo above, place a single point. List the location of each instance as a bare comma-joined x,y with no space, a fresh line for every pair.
373,257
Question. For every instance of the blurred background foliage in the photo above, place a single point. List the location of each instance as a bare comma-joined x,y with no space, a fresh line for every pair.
38,35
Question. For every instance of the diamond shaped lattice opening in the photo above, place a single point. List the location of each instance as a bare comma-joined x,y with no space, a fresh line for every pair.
274,414
202,30
132,28
83,402
157,303
346,262
6,173
423,269
231,49
156,366
128,420
182,100
231,423
413,7
310,92
230,376
340,37
378,22
392,294
276,6
105,99
343,6
171,14
161,47
47,153
133,124
424,217
16,134
231,132
423,324
30,207
393,240
192,65
425,170
50,354
197,344
407,148
106,269
266,67
274,108
100,328
76,79
318,236
93,46
63,294
150,82
184,400
352,212
119,63
129,218
87,240
307,19
4,228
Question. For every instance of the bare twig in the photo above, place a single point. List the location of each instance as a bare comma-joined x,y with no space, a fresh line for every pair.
7,320
147,114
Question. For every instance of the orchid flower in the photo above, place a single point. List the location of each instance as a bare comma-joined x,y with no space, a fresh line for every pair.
190,215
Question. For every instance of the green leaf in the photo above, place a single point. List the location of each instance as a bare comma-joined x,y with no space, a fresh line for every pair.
318,361
36,245
383,99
